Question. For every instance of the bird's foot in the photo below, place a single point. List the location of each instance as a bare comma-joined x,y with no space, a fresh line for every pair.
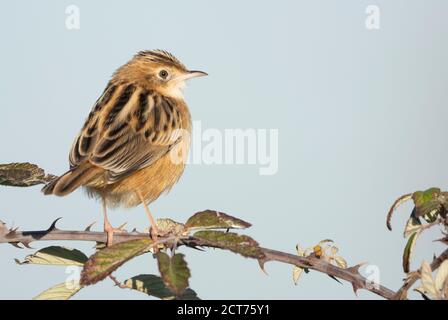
154,235
111,231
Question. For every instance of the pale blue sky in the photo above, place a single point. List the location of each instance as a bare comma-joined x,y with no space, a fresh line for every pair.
361,117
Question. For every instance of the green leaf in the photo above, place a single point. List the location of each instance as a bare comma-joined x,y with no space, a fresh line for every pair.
429,210
63,291
154,286
22,175
408,251
107,260
244,245
174,272
420,197
56,256
210,219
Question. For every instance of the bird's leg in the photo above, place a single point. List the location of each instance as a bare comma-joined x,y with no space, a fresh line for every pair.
108,227
153,229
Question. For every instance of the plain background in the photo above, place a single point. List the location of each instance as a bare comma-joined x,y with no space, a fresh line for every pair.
361,116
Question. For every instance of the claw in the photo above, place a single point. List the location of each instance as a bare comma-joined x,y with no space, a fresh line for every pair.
110,232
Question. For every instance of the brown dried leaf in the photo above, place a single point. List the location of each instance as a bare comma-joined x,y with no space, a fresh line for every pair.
341,263
413,225
23,175
442,276
395,205
428,285
296,273
168,226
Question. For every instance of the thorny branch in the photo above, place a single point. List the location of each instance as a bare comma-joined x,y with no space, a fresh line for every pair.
351,275
412,277
26,174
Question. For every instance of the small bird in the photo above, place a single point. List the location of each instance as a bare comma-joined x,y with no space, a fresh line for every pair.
134,143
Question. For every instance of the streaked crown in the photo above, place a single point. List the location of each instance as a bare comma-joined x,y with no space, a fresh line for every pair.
161,56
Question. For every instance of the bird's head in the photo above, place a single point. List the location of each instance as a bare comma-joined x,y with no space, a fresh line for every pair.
157,70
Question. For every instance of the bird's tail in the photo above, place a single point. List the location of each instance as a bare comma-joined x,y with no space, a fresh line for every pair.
71,180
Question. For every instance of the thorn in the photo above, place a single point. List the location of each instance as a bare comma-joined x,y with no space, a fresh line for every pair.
26,244
335,279
122,226
425,297
442,240
192,246
355,268
355,289
53,225
261,263
15,244
90,226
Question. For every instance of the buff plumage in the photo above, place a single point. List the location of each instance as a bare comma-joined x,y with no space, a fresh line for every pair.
133,143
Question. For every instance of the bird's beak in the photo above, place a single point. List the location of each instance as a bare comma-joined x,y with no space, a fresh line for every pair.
196,73
192,74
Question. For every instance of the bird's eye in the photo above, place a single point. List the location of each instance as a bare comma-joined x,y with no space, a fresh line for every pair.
163,74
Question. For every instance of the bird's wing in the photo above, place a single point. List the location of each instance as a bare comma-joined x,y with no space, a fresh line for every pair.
128,129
